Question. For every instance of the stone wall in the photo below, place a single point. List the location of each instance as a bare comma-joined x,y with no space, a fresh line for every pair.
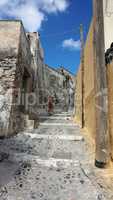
9,36
19,75
39,72
7,78
22,84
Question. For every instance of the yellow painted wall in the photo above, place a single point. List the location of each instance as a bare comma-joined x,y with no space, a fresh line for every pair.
89,94
88,63
89,91
78,97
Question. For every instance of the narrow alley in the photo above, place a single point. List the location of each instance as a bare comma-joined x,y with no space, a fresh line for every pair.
56,100
53,162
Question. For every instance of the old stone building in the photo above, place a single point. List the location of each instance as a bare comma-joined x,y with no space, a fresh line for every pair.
60,83
70,84
37,63
21,61
26,82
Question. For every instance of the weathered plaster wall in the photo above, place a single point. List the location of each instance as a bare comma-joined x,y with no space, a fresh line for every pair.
24,53
78,96
33,46
39,73
9,37
89,91
22,84
97,99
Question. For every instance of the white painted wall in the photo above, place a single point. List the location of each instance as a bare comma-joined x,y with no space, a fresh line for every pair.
108,22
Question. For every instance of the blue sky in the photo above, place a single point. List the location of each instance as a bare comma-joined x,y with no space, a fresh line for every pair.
64,26
57,21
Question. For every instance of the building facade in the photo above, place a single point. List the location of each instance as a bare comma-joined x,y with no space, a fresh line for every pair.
60,84
21,62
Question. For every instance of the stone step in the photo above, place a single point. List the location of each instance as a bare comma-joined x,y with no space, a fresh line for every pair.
55,137
55,117
57,124
49,162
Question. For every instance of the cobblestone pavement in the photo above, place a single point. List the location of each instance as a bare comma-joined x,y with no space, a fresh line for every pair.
53,162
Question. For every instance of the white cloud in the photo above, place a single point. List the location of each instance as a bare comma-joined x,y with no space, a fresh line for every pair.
30,15
71,44
31,12
3,2
52,6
